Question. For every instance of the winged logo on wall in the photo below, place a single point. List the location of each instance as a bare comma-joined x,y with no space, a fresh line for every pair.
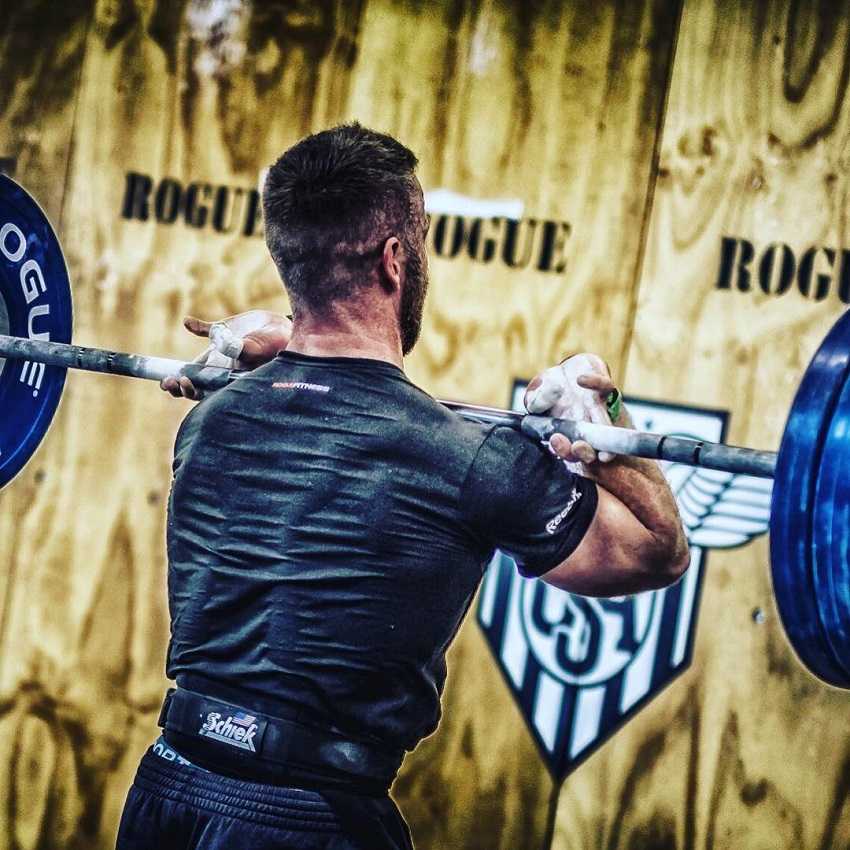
578,667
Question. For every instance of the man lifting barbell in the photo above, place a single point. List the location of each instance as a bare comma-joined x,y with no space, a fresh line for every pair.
329,524
809,506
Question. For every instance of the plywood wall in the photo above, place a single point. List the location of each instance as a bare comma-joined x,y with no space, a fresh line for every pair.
113,110
749,750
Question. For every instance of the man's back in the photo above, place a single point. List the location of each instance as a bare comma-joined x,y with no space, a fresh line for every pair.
317,544
329,525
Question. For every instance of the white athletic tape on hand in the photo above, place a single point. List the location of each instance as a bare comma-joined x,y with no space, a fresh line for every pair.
544,397
225,340
560,395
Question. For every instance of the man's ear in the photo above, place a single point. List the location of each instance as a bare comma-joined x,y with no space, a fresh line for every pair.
391,264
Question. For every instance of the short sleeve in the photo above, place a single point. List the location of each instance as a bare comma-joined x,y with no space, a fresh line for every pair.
521,499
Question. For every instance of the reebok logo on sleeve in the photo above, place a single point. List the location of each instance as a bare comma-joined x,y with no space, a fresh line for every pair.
554,523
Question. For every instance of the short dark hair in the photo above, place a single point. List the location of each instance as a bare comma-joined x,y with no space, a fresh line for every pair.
329,203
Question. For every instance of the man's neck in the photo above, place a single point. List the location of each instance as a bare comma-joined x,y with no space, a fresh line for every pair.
347,335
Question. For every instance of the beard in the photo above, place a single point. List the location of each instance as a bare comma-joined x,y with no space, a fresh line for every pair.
412,300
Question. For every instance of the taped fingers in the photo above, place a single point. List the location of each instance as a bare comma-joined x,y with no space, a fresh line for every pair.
576,389
225,341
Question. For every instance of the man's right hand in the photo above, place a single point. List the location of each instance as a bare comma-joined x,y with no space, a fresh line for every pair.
243,341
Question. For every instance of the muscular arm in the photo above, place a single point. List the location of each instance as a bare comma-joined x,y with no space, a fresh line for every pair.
636,540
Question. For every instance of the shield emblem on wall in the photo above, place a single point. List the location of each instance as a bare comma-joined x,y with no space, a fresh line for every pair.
579,668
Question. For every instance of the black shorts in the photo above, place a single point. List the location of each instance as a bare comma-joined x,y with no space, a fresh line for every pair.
174,805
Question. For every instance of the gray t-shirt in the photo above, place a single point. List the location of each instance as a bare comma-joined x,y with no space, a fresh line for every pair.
328,526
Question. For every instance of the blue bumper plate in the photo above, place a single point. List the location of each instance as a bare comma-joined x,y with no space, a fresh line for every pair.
36,303
831,532
798,585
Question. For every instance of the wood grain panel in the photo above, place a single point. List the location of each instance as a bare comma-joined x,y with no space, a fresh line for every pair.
747,749
41,805
556,105
42,46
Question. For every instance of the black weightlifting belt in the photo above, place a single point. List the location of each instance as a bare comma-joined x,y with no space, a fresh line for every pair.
238,741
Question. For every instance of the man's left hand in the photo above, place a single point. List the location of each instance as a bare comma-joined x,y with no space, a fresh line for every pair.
576,389
243,341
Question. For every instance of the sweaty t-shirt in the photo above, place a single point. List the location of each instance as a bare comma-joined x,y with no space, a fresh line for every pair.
329,524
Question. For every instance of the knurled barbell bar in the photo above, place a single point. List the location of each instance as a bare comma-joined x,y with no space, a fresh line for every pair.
810,506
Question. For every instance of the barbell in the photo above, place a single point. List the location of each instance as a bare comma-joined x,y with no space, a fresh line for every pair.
810,503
